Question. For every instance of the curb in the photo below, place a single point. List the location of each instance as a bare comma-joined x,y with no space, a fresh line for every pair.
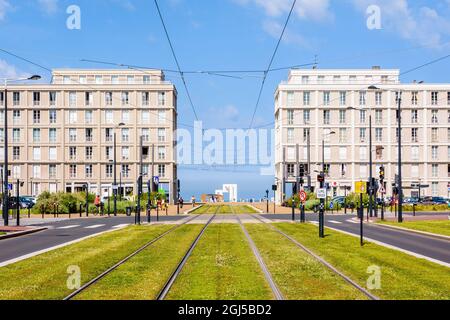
424,233
21,233
193,209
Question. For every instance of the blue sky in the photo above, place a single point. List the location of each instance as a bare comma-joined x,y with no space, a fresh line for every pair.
227,34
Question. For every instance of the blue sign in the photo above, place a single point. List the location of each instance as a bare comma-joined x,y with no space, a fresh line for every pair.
331,205
10,186
156,180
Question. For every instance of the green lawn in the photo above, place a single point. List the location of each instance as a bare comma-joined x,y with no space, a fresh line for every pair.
2,233
222,267
439,227
298,275
44,277
224,209
403,277
143,276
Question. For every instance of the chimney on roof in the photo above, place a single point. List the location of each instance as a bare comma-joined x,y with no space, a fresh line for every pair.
376,68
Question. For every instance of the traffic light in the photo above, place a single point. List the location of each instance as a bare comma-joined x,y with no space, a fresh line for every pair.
321,177
382,173
302,170
294,188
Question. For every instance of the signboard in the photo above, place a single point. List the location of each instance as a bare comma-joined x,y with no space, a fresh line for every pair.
274,187
382,190
361,187
303,196
331,205
156,180
115,187
321,193
10,186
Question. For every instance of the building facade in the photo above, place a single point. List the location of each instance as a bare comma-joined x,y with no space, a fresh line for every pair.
334,106
61,135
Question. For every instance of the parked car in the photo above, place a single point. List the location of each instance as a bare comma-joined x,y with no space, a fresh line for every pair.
339,200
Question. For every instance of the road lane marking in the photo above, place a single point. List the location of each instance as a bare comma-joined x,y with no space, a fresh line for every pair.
120,226
335,222
353,221
68,227
95,226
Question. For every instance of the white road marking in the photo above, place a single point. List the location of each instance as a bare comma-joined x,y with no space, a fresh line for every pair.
119,226
69,227
335,222
314,222
353,221
95,226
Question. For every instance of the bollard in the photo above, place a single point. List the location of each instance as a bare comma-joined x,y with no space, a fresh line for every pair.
29,213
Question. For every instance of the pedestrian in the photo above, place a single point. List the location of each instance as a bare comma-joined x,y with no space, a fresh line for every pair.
97,203
181,202
193,201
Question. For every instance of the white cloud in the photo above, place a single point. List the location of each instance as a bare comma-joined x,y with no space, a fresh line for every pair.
423,25
48,6
274,29
317,10
9,71
4,7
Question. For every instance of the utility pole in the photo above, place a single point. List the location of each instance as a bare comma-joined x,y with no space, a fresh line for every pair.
400,186
371,186
141,163
18,202
5,168
309,159
115,174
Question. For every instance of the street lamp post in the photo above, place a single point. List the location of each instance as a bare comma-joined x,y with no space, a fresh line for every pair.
5,170
400,184
267,201
115,168
322,185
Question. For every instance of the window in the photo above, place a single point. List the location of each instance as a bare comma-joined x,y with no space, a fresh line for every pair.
16,153
125,135
2,98
326,116
305,79
342,98
89,152
327,153
125,171
108,98
342,135
88,170
72,135
434,134
161,135
52,116
36,171
362,98
89,99
415,153
125,153
306,98
379,134
37,153
363,153
290,99
98,79
362,134
306,134
342,117
16,117
52,135
130,79
448,116
2,135
73,117
83,80
162,170
414,135
73,170
290,135
72,99
67,80
434,98
435,171
290,117
448,153
73,153
145,133
145,117
379,116
291,170
52,153
378,98
448,134
36,98
89,116
448,98
16,135
306,116
16,98
161,98
362,116
363,171
126,116
434,116
435,189
161,153
109,171
89,133
414,98
434,153
16,172
109,153
36,135
36,116
125,98
326,98
146,79
415,171
108,135
414,116
115,79
109,116
145,98
161,117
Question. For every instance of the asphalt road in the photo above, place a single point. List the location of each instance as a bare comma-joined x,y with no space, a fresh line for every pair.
65,231
438,249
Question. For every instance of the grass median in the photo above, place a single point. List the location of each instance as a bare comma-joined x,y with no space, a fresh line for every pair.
225,209
45,276
441,227
298,275
143,276
403,277
222,267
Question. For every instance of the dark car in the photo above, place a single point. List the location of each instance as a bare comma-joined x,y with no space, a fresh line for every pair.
439,200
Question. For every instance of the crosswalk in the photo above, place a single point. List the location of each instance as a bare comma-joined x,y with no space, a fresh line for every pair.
95,226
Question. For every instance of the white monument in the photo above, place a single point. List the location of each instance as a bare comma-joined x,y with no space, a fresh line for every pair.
232,190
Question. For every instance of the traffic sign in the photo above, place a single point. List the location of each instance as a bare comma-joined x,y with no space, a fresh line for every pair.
361,187
115,187
321,193
303,196
331,205
382,190
156,180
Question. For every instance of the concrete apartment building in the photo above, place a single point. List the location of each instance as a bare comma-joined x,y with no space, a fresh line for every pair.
317,102
61,135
